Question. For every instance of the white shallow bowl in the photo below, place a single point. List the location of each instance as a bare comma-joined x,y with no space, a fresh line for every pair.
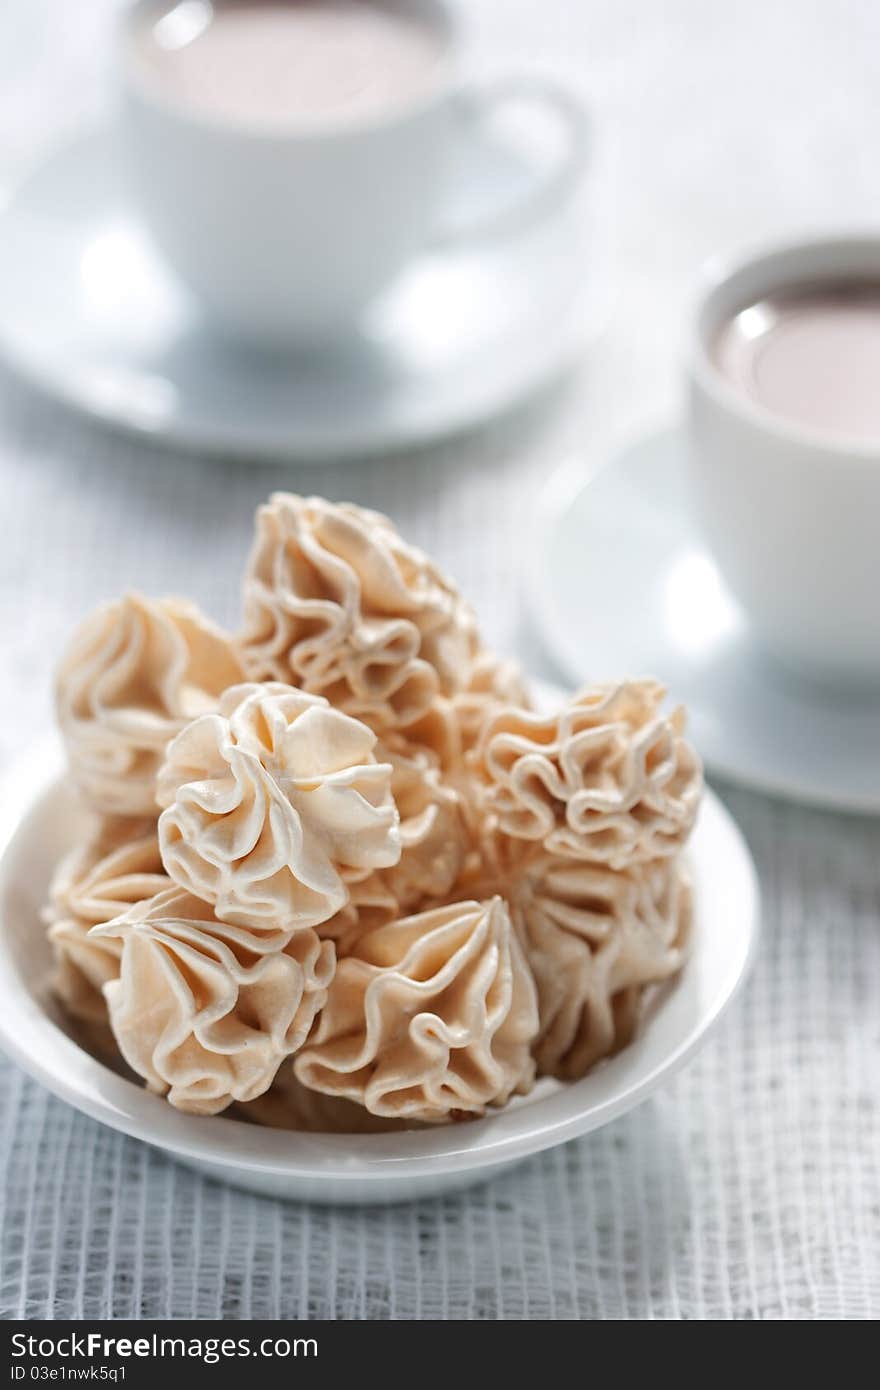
89,314
40,823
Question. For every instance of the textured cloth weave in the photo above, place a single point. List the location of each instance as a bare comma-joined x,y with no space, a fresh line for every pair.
749,1186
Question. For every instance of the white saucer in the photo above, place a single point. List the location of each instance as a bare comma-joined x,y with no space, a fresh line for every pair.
619,583
340,1168
88,314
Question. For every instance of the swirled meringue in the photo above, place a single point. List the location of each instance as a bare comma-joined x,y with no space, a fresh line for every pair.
450,730
432,830
266,800
429,1018
117,867
445,741
610,779
206,1011
370,904
433,846
494,684
594,937
339,605
136,671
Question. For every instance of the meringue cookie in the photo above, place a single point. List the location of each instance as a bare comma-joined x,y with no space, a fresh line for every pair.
594,938
136,671
430,1017
432,829
267,800
451,729
610,779
433,847
117,866
205,1011
444,741
371,904
338,604
493,683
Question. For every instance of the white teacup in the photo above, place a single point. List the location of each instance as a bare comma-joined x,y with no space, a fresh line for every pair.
791,516
285,234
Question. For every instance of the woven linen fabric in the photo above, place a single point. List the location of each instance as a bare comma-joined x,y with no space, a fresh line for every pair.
748,1186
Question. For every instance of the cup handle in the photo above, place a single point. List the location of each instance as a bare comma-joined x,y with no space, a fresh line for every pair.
477,106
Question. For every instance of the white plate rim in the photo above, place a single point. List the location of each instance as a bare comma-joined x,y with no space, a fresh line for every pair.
47,1054
565,486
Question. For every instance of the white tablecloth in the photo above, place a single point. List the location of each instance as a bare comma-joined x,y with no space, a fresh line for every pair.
749,1186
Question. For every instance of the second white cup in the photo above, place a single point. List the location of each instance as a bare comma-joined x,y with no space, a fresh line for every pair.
791,517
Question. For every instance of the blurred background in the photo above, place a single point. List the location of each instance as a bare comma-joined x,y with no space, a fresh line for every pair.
716,125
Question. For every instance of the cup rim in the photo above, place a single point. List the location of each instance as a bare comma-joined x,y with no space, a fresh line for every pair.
137,85
718,273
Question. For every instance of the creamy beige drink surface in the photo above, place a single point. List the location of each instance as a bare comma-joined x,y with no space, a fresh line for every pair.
277,64
810,355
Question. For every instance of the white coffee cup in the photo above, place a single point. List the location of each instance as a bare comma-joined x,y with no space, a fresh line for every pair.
792,519
285,235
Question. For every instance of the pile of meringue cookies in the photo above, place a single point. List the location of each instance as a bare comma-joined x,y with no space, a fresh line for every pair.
335,871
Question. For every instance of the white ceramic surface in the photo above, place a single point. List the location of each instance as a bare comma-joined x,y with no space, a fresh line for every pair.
285,233
88,314
791,516
365,1168
618,579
